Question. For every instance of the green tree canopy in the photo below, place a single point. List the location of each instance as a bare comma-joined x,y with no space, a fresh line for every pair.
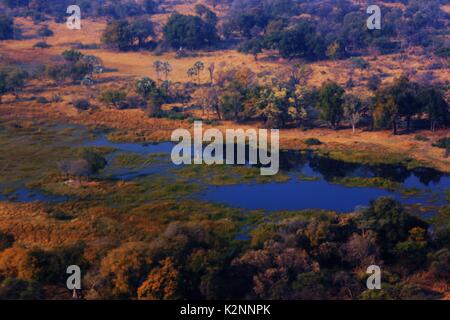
189,31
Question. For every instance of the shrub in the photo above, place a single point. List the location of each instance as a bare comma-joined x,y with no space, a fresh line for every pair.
6,241
45,32
443,143
359,63
95,160
421,138
312,142
57,98
19,289
41,45
42,100
113,97
6,27
82,104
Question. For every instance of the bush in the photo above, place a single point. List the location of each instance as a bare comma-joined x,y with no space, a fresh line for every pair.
95,160
19,289
443,143
421,138
359,63
170,115
6,27
313,142
6,241
41,45
82,104
45,32
42,100
113,97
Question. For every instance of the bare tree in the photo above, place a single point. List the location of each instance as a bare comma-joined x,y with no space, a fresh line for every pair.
211,69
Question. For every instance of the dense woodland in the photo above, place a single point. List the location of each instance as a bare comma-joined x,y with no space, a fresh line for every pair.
289,259
294,258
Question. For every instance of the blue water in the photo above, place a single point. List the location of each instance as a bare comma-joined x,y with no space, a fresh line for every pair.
301,194
298,195
295,194
141,148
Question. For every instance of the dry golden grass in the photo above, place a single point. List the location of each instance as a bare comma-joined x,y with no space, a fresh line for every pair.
31,226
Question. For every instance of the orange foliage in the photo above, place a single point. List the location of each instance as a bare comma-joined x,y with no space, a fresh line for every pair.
162,283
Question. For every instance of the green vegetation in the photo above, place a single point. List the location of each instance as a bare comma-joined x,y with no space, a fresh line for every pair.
192,32
369,155
124,35
6,27
313,142
368,182
443,143
135,161
227,175
112,97
12,80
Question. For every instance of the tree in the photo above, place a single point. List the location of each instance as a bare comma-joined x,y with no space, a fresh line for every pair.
6,240
299,42
125,268
6,27
334,50
189,31
117,34
75,168
208,99
374,82
353,110
198,67
140,30
390,221
206,14
19,289
161,283
253,46
57,73
299,74
405,95
361,249
158,66
72,55
400,99
113,97
95,160
45,32
330,103
3,89
166,69
12,80
386,112
433,102
192,72
144,87
273,104
77,66
150,6
153,96
231,104
211,69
